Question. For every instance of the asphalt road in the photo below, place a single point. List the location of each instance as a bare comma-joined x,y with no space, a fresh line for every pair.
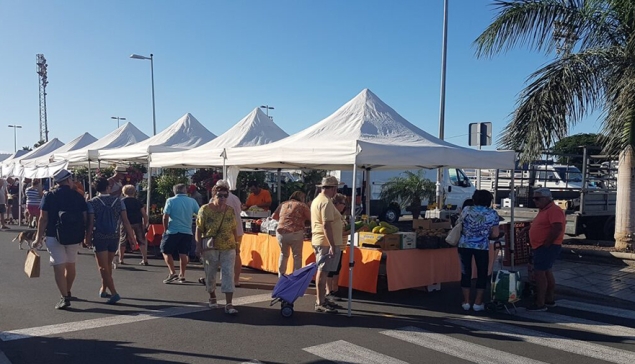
159,323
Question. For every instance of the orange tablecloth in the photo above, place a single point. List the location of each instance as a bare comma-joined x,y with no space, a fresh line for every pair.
155,231
261,251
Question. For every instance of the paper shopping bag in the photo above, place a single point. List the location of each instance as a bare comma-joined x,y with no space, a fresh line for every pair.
32,264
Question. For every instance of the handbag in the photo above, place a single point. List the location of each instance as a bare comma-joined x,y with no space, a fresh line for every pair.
208,243
32,264
455,234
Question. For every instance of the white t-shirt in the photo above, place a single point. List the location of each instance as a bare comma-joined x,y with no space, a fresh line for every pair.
234,202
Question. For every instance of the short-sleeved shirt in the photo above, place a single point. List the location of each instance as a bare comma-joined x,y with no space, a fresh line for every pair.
3,192
263,197
477,224
338,229
62,198
33,197
181,210
293,214
98,205
133,210
322,211
541,226
218,224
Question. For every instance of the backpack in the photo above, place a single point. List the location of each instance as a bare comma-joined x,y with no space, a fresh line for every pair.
106,223
70,227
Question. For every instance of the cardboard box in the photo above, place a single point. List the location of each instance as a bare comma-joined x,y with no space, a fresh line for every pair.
427,224
563,204
408,240
384,241
355,242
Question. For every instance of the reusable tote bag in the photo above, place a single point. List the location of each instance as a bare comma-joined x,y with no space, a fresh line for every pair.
455,234
32,264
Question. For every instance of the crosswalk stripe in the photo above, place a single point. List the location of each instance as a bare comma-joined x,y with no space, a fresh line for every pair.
346,353
587,349
120,319
457,348
579,324
604,310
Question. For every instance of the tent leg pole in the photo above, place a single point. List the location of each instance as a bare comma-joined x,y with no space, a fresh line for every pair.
148,189
512,229
279,186
20,182
367,191
90,182
351,246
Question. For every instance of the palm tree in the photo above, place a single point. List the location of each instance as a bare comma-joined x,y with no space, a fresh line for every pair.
593,70
408,191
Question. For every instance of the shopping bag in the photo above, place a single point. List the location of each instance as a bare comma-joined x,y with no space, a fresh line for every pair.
32,264
507,286
455,234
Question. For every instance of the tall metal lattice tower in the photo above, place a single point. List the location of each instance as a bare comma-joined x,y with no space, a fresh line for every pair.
41,71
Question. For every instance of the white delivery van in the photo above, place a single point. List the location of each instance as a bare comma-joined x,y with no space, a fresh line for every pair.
456,186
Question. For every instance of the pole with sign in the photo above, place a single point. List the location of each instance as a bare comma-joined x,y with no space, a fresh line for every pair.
480,134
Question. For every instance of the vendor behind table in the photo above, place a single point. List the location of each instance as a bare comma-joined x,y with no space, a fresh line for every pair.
257,197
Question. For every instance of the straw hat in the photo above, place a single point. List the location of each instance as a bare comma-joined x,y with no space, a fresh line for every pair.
329,181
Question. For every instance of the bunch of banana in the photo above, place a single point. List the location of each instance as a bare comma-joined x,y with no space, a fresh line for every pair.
385,228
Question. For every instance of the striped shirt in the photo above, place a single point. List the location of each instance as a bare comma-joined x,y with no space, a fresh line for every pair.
33,197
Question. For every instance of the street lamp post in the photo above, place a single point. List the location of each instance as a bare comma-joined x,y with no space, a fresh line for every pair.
151,58
267,108
118,118
15,136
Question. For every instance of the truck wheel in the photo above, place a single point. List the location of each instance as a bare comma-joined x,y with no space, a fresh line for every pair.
609,228
391,215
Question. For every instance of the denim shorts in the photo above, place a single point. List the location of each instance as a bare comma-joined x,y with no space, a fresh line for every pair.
102,245
544,257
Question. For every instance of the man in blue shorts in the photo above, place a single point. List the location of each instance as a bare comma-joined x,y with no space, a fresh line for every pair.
177,239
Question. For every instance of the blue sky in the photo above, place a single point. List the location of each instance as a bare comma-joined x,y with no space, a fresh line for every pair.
220,59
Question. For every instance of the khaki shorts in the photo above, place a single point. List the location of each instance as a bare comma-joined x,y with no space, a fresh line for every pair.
139,232
326,263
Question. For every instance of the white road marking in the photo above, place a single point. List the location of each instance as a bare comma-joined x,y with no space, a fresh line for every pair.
120,319
346,353
569,345
603,310
457,348
579,324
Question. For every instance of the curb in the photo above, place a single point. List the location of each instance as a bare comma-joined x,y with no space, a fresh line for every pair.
599,253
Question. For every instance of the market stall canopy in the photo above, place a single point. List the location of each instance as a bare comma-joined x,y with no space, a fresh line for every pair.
371,134
4,156
254,129
46,149
186,133
7,163
76,144
123,136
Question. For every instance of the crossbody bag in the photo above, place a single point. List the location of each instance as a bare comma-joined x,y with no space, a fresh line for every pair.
208,243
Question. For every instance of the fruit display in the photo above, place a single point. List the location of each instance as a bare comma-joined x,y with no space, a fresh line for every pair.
439,233
385,228
374,227
255,208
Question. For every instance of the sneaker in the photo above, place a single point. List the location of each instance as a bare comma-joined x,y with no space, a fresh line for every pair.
466,306
478,308
69,296
171,278
144,262
63,304
324,308
550,304
534,308
334,296
332,304
181,279
104,294
114,299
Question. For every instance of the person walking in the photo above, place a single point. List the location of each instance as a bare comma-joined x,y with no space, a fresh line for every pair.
332,284
216,242
105,214
178,213
546,233
234,202
63,221
33,200
138,219
291,216
480,222
4,194
324,239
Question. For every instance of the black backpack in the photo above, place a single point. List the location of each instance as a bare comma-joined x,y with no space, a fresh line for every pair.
70,227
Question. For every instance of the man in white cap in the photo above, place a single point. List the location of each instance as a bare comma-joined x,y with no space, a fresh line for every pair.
324,240
234,202
62,221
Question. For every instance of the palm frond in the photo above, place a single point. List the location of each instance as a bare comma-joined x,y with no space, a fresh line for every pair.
619,113
560,95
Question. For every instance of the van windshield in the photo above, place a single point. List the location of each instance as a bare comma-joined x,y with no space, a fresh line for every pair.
569,174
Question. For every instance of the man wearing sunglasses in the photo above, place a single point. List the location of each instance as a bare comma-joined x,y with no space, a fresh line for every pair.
545,236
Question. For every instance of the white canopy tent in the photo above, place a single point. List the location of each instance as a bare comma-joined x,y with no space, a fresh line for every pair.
365,133
8,162
254,129
185,133
4,156
123,136
76,144
14,167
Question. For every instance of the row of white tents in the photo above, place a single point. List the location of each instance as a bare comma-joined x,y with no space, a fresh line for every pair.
363,134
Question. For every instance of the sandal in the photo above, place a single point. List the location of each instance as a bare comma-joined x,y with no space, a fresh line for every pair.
212,303
144,263
230,310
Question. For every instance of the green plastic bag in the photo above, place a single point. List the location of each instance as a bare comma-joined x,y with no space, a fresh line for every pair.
507,286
